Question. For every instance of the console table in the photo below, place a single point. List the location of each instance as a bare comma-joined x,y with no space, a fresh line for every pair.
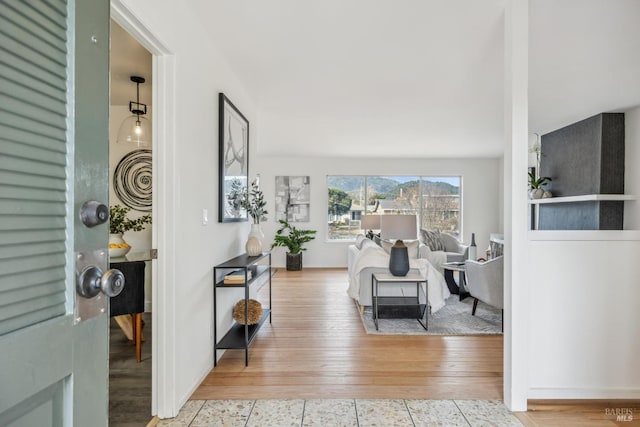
377,300
240,336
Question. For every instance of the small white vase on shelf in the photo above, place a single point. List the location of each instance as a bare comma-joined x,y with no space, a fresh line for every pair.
118,247
255,240
536,193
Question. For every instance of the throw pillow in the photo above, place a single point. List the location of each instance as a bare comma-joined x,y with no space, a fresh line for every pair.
496,249
359,239
412,247
386,245
366,243
432,239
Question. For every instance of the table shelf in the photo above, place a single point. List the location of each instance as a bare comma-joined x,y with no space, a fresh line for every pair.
240,336
235,338
395,302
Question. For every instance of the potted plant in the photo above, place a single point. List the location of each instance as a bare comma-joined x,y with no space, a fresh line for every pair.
252,201
536,185
292,238
119,224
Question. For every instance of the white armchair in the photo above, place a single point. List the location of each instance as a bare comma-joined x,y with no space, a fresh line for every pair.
435,241
456,250
485,282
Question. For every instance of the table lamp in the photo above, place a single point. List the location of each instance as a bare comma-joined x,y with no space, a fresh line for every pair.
371,222
398,227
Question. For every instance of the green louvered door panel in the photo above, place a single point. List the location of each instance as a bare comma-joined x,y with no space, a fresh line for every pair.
33,114
54,94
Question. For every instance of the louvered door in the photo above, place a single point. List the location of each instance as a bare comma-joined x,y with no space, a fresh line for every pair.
53,156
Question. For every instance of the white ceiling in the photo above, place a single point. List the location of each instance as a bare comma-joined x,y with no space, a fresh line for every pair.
128,58
412,78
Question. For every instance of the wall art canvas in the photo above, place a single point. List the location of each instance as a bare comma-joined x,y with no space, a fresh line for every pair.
132,180
233,160
293,198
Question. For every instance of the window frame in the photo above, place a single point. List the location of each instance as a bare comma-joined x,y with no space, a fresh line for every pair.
420,209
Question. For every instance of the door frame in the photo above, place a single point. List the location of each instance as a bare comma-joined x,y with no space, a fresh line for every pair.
165,192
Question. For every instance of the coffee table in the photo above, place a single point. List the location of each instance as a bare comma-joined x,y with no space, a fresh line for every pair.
449,268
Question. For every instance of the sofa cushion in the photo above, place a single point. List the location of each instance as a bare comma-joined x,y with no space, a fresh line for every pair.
367,243
455,257
359,239
412,247
432,239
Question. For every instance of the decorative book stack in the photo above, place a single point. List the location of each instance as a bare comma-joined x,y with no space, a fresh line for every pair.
236,277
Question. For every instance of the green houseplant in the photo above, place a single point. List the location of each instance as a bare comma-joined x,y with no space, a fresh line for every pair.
536,185
118,225
253,202
293,239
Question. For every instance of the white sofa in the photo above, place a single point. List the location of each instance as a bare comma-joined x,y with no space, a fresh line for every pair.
366,258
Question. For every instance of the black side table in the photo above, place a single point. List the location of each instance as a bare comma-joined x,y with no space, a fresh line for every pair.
378,300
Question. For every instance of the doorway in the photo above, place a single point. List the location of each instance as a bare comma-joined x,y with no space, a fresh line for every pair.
130,193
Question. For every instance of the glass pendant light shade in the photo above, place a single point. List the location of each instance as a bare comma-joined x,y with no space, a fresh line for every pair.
135,130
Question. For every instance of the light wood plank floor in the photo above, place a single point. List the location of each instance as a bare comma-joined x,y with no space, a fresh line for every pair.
316,347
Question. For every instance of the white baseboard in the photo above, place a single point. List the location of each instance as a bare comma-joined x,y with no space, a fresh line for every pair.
583,393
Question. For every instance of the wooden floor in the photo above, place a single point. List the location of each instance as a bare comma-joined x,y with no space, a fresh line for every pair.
316,347
129,381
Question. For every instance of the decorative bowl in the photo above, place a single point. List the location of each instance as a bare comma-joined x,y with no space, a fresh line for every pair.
118,252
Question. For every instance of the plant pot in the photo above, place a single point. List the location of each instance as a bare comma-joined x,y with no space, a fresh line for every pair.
255,240
536,193
118,247
294,261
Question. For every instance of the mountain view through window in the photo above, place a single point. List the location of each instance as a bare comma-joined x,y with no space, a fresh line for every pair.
435,200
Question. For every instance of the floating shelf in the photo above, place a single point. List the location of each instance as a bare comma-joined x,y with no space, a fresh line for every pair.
585,198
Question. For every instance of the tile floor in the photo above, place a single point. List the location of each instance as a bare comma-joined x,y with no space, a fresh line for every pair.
342,412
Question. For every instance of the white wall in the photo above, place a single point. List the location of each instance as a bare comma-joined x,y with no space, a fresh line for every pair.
583,302
631,170
480,196
192,159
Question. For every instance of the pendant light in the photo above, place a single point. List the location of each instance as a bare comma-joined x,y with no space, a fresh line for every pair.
135,129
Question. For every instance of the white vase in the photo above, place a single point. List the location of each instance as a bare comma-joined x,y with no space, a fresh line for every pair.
256,234
118,247
536,193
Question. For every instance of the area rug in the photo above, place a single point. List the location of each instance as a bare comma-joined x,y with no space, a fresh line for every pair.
453,319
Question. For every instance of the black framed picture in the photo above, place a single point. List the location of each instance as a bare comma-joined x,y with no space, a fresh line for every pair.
233,157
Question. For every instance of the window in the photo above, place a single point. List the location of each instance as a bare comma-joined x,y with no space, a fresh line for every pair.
345,207
436,201
441,204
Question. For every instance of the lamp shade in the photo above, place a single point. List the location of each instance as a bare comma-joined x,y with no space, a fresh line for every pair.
398,227
135,130
371,222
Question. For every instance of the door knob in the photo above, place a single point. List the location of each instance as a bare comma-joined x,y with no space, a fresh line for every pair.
93,213
91,281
